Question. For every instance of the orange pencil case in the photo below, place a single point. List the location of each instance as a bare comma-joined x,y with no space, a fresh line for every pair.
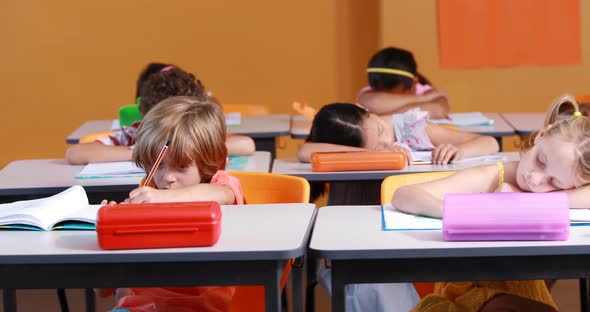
158,225
357,161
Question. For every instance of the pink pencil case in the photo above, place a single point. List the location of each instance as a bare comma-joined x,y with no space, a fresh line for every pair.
506,216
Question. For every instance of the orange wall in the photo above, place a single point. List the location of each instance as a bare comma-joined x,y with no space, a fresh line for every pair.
413,25
66,61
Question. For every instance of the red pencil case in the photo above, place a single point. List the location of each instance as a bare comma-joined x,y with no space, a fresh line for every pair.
158,225
357,161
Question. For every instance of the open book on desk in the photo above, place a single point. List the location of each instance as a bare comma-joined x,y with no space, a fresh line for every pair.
425,158
465,120
117,169
395,220
68,210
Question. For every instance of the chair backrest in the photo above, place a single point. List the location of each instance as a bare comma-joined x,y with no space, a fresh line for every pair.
583,98
272,188
91,137
129,114
266,188
392,183
246,109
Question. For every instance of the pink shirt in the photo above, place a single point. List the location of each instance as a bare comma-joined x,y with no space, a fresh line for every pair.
224,178
189,299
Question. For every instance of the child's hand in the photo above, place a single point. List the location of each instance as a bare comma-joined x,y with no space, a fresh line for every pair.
435,94
508,188
445,153
106,202
145,194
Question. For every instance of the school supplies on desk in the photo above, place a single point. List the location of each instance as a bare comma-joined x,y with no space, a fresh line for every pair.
506,216
158,225
68,210
357,161
465,120
395,220
233,119
425,158
110,170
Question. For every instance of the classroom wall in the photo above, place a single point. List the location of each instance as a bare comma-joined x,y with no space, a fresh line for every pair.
65,61
413,25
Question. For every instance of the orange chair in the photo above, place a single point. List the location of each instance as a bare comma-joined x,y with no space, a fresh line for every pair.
266,188
390,185
583,98
91,137
245,109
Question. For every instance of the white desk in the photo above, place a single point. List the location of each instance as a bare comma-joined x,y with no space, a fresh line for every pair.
255,242
300,127
263,129
525,123
360,252
363,187
25,179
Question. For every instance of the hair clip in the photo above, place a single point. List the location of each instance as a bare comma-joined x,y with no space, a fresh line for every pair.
391,71
577,114
167,68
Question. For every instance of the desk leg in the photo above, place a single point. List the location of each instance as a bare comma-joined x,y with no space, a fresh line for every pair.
338,291
584,295
297,273
90,300
268,145
311,268
9,298
499,139
272,288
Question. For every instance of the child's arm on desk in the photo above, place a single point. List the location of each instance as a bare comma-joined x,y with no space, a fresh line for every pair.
84,153
580,197
304,152
427,198
239,145
454,144
204,191
384,103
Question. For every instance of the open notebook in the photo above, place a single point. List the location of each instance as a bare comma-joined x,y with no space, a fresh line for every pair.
68,210
465,120
395,220
118,169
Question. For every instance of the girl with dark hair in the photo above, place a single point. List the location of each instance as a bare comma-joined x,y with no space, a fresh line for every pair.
395,86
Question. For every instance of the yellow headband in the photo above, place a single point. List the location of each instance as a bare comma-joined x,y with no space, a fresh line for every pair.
390,71
577,114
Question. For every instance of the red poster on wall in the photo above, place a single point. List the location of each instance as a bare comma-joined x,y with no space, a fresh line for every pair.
503,33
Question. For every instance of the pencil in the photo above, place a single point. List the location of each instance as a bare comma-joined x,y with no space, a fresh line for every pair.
156,164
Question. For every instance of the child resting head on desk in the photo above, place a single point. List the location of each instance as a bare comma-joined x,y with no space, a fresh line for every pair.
191,170
395,86
170,81
348,127
559,160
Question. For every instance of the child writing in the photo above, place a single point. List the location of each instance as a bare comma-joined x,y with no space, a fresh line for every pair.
559,160
192,170
395,86
348,127
170,81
